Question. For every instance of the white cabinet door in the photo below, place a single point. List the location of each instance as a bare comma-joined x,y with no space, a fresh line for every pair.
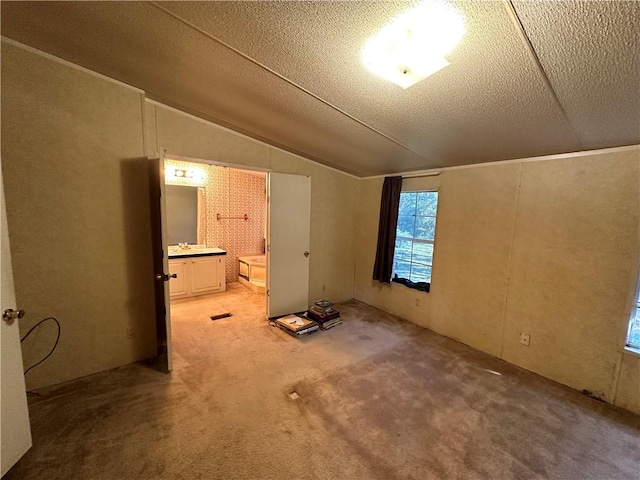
179,286
197,276
204,275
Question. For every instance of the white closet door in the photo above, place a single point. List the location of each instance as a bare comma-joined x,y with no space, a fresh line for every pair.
15,431
288,235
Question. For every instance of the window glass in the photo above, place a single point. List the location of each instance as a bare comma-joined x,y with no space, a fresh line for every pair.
425,228
427,203
407,203
422,253
403,250
415,234
633,339
406,226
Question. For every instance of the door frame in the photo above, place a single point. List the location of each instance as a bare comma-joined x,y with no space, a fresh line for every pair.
182,158
163,156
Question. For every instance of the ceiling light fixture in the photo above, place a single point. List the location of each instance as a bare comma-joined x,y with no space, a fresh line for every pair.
414,44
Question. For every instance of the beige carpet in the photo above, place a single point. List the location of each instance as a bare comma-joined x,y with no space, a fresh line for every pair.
379,398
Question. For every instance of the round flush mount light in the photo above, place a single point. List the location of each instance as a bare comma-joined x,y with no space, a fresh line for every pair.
415,43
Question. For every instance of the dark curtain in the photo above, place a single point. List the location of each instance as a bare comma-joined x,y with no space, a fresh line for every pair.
389,204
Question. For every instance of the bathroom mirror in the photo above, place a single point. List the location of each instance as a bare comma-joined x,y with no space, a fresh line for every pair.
182,214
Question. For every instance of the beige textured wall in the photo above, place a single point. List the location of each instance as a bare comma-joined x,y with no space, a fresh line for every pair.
74,161
78,211
474,232
333,194
549,248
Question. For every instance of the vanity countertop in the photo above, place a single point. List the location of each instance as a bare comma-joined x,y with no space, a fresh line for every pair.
195,252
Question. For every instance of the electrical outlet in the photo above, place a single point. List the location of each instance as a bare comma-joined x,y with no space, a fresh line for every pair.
324,287
417,302
129,332
525,339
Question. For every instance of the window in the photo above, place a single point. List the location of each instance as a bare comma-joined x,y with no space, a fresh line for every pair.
415,235
633,337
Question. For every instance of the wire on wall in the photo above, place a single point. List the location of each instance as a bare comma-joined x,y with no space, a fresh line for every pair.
53,349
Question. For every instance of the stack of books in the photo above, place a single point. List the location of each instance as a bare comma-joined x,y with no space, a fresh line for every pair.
296,326
323,313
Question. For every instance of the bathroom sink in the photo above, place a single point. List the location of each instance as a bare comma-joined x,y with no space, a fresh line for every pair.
178,250
185,251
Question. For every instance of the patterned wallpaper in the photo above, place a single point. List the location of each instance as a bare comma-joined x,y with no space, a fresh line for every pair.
231,193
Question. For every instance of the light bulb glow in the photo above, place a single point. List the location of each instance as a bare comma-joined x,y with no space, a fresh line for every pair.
414,44
190,176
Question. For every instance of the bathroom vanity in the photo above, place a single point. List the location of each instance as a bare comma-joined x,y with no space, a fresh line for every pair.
199,271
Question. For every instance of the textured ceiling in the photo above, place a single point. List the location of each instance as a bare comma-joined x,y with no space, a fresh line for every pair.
528,78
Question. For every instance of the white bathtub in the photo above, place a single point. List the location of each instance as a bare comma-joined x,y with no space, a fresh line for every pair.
252,272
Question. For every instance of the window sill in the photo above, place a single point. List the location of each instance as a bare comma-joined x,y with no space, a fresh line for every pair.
420,286
631,351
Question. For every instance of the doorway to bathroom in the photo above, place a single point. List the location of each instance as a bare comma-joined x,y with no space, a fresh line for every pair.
224,228
216,234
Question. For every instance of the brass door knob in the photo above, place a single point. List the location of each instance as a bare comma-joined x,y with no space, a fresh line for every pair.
10,314
166,276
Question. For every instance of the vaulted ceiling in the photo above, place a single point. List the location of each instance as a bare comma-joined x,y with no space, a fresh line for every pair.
528,78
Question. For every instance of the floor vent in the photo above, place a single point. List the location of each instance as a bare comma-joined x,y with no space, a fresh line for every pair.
218,317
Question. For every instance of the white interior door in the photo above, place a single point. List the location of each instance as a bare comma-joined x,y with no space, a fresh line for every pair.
288,234
15,430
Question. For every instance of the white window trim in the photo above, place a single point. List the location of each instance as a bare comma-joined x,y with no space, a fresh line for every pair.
633,349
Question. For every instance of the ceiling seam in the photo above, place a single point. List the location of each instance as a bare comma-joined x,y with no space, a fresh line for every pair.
285,79
511,9
243,132
499,163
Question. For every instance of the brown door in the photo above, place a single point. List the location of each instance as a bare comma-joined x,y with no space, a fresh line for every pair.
160,262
